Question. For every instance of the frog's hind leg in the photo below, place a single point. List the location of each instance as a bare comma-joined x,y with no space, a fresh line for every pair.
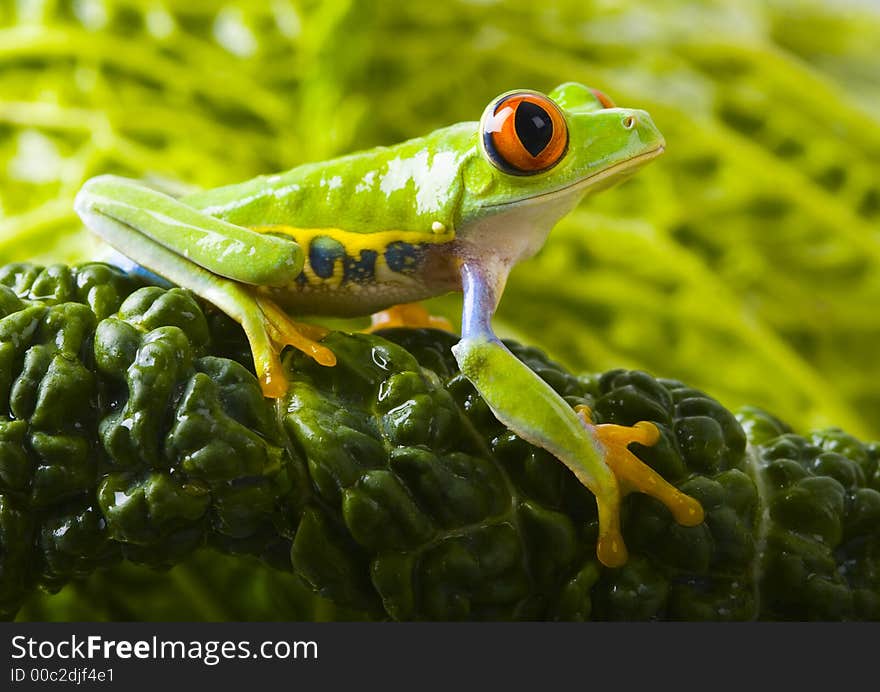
266,326
410,315
283,331
269,330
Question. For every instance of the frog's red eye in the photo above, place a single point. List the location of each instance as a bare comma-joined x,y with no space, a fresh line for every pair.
523,133
603,98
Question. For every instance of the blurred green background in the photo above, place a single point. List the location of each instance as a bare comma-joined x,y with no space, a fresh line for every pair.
746,261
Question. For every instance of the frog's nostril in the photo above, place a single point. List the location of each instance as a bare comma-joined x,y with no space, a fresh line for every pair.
629,122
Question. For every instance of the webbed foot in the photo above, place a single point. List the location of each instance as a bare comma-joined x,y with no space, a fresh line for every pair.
410,315
633,475
269,330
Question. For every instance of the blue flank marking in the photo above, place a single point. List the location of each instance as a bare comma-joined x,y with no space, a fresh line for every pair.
403,257
361,269
323,253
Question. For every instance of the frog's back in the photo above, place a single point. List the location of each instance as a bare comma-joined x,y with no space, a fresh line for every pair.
411,187
373,225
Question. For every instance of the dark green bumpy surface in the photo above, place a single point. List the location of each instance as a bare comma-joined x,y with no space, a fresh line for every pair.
133,430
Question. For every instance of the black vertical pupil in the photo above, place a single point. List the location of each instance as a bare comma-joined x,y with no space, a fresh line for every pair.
533,127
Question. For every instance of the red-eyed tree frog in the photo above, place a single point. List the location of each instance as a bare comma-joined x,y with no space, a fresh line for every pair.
454,210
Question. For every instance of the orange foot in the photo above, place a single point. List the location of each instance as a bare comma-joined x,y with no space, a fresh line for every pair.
633,475
283,331
410,315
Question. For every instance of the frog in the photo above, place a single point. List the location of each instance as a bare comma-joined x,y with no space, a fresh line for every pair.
375,232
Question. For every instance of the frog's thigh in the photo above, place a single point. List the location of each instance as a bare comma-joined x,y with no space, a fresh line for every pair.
412,315
267,327
222,248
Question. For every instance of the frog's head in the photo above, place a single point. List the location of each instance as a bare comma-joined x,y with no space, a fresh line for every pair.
538,155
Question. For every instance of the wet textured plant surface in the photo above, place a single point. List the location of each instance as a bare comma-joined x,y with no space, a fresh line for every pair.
134,433
745,261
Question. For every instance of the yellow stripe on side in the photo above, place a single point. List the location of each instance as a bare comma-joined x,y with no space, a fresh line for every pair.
355,243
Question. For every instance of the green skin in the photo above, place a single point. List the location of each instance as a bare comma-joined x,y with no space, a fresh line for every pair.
465,222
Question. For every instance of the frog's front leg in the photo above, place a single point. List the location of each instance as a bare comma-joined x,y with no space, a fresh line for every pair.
597,455
410,315
225,264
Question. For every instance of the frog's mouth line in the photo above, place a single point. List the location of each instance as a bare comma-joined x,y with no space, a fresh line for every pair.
589,181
